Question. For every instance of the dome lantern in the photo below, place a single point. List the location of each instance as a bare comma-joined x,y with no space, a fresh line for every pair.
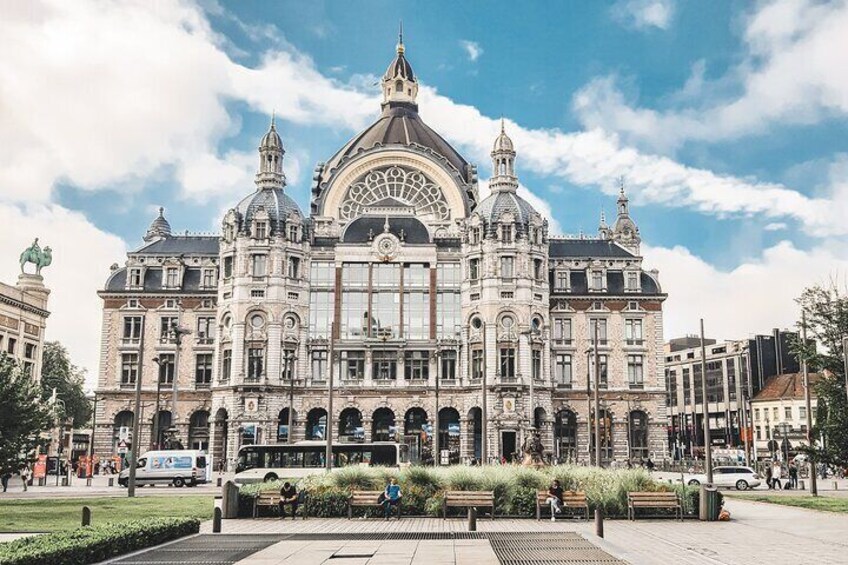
400,87
271,151
159,228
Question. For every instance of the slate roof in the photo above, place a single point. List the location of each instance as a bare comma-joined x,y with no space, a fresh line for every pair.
362,229
153,280
587,248
276,203
494,205
181,245
615,285
789,386
400,124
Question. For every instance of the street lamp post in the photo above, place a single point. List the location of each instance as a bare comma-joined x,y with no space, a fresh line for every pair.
290,361
484,417
136,415
90,470
844,360
177,334
708,456
597,400
156,431
589,405
805,371
60,449
329,431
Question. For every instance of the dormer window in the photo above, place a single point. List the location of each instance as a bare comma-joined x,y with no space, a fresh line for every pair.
135,277
538,269
631,281
261,230
506,234
474,236
208,278
597,280
562,280
294,235
172,277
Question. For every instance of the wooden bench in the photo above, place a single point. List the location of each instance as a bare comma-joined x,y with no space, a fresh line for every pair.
570,499
468,499
272,500
366,498
636,500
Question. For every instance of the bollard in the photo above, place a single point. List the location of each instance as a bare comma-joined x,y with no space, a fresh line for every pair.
219,482
111,481
86,516
599,522
472,519
230,500
216,521
835,485
801,485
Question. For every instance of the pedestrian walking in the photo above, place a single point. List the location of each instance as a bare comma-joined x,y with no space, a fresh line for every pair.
768,472
793,475
5,475
25,474
555,499
776,475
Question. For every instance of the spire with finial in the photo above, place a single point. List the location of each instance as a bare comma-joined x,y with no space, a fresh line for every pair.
400,87
625,231
271,153
603,228
503,163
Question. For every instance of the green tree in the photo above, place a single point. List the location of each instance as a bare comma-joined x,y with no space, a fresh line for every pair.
826,309
58,372
23,415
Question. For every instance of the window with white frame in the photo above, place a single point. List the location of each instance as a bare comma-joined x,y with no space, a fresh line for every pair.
294,267
635,376
474,269
536,364
132,329
631,280
561,280
205,329
319,365
261,230
506,233
633,331
562,369
416,365
172,277
507,267
129,369
597,280
294,234
228,267
601,324
260,265
562,331
208,278
135,277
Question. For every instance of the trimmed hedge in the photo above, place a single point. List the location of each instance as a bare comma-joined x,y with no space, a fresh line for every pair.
92,544
514,487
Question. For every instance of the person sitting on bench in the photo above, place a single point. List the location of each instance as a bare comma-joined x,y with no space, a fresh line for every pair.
392,497
555,499
288,497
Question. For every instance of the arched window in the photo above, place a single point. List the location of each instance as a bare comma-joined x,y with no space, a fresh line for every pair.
350,425
638,435
122,430
159,433
417,434
316,423
383,425
283,426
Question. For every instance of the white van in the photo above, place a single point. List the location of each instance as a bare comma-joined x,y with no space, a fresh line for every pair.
173,467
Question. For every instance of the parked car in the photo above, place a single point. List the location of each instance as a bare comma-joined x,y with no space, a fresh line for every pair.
176,467
740,478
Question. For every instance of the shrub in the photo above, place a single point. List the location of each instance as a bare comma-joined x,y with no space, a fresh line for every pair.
514,488
92,544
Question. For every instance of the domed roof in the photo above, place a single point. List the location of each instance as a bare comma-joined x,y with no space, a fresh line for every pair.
276,203
159,228
399,67
503,142
272,140
496,204
400,125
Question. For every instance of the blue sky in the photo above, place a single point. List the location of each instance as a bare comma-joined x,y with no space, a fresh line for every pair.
727,120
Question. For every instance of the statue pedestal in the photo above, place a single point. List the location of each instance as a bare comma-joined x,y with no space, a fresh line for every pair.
33,284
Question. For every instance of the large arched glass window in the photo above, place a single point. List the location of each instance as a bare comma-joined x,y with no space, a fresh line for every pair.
565,436
316,424
408,186
383,425
350,425
638,435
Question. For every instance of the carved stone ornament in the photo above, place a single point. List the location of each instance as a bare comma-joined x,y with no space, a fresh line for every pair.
386,246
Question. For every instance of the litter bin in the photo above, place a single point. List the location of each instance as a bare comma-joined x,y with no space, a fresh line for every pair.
709,507
64,481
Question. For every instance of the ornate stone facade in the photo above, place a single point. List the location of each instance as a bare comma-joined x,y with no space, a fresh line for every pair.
411,293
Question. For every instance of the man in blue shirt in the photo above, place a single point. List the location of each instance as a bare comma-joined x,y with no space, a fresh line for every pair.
392,497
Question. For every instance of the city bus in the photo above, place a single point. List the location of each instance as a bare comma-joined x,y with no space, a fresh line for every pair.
292,461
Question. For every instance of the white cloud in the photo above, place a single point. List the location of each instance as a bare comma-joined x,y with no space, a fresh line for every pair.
643,14
752,298
795,72
82,254
776,226
472,49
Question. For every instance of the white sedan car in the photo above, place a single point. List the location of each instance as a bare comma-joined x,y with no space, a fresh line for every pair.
740,478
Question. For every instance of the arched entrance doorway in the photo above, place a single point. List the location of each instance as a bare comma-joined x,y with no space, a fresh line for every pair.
638,435
219,439
565,436
159,433
606,431
449,433
283,425
198,430
475,423
350,425
383,425
316,424
416,434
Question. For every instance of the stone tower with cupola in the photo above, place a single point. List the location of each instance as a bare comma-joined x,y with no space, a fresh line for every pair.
505,299
263,300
